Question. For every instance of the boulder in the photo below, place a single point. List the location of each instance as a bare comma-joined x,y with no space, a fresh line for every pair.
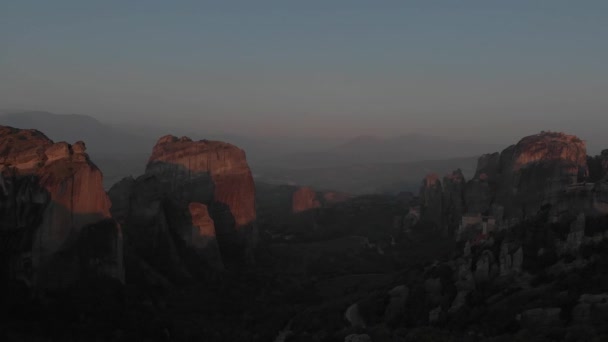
353,316
396,305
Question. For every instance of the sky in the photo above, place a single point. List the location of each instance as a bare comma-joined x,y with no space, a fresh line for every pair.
478,69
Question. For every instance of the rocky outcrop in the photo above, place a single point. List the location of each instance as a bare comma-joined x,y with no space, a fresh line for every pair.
396,305
358,338
142,207
536,170
604,163
304,199
193,208
453,200
464,282
485,267
442,204
542,169
333,197
480,191
353,316
56,224
431,202
488,167
591,307
575,237
511,258
203,236
541,317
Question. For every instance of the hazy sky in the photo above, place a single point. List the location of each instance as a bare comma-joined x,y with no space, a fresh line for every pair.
489,69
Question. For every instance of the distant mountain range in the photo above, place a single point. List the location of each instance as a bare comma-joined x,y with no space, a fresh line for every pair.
363,164
101,139
371,149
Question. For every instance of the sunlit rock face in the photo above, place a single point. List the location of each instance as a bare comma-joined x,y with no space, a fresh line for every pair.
536,170
226,164
304,199
547,170
51,194
196,201
567,150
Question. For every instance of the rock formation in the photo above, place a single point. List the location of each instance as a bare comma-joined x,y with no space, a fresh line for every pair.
225,164
194,205
203,236
55,215
442,205
591,307
453,200
304,199
511,258
575,237
479,192
537,169
333,197
546,169
431,202
604,162
358,338
396,305
353,316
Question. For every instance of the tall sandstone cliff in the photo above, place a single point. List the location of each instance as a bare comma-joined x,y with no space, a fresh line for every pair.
55,223
194,205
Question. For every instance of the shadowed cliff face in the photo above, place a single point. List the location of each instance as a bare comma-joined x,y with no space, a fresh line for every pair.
604,162
431,201
50,193
453,200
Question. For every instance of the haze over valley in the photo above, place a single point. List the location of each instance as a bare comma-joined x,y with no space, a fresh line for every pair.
375,164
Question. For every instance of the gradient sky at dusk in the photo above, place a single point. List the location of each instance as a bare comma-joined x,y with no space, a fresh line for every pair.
491,69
